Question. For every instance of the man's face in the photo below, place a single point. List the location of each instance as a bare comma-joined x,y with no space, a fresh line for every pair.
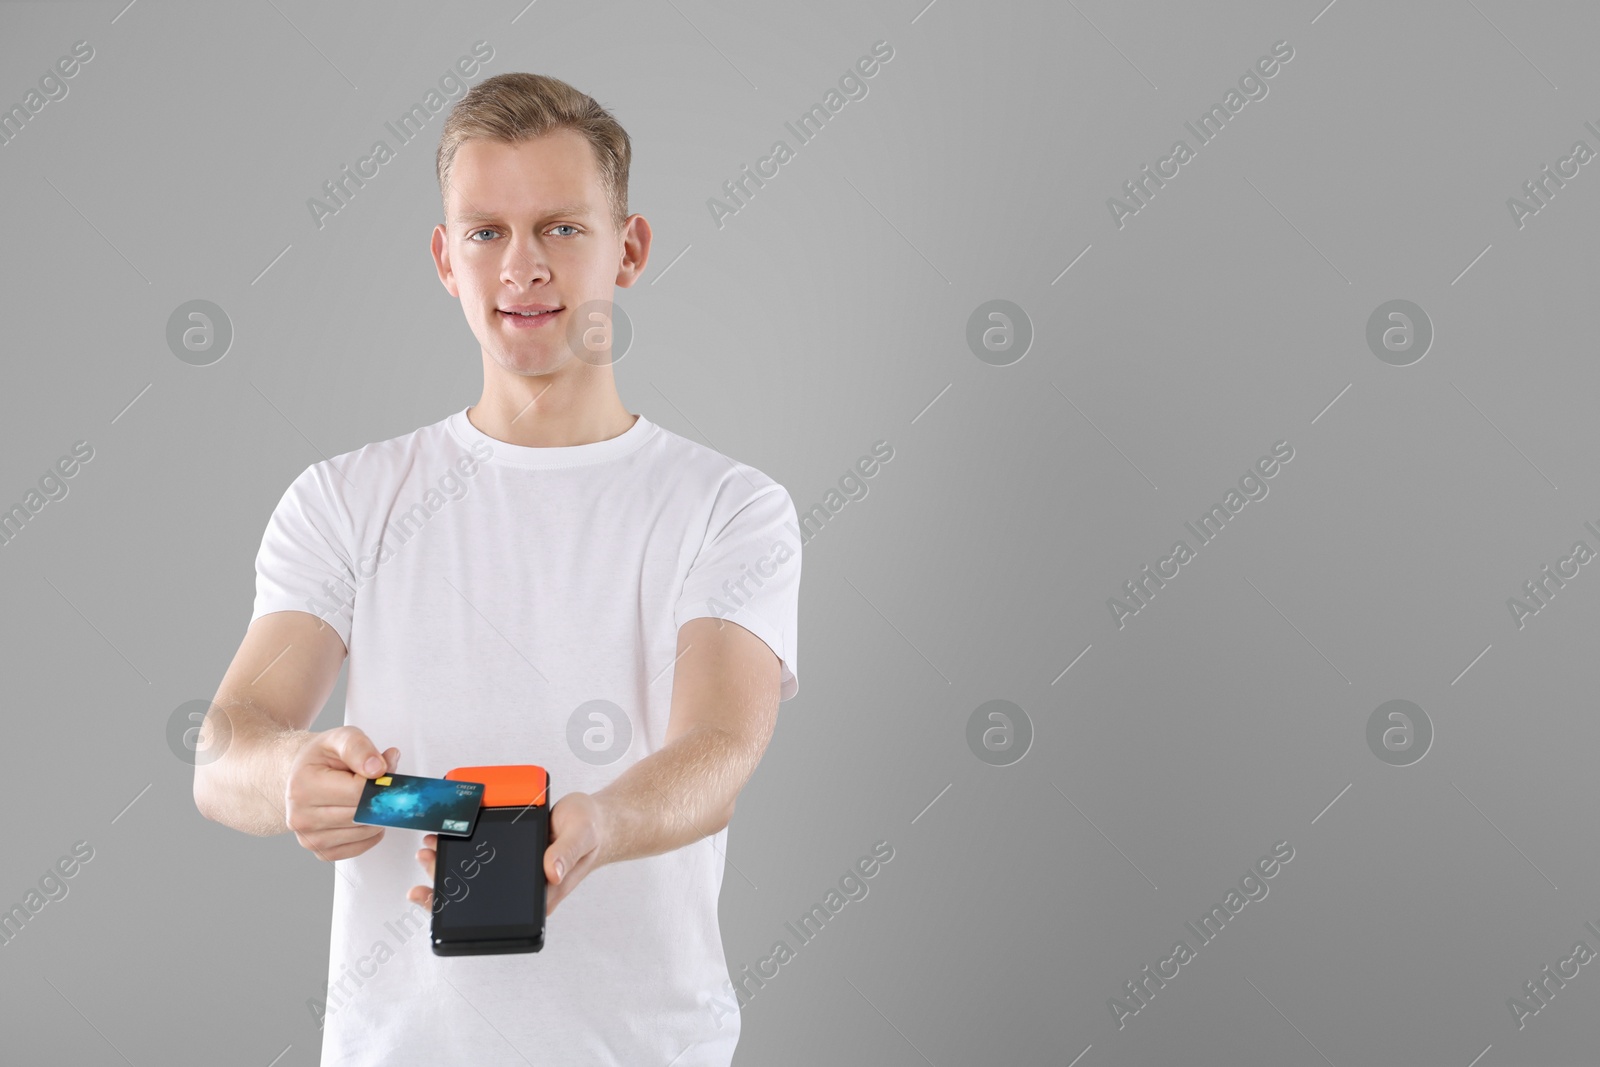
528,227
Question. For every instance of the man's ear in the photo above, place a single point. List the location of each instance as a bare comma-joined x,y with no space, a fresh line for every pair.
635,250
439,247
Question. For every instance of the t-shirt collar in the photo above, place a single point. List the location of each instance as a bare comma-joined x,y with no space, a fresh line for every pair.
553,456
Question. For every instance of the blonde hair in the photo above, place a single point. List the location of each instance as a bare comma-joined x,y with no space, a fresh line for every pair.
516,106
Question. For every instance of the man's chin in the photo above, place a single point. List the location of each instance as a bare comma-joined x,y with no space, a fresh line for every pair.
531,364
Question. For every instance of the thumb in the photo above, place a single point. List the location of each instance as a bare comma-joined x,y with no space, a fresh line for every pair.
557,860
358,752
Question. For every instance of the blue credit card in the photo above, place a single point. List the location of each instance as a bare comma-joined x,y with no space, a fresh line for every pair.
437,805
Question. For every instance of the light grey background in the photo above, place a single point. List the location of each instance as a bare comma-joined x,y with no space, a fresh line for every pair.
831,312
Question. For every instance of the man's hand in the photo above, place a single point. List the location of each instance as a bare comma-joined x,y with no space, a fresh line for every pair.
324,787
577,839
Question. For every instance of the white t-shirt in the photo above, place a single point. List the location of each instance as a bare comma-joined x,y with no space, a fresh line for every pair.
489,594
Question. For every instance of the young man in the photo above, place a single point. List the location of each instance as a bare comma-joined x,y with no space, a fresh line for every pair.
544,578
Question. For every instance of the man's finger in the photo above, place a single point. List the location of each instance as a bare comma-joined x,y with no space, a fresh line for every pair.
359,753
560,890
340,852
559,864
344,835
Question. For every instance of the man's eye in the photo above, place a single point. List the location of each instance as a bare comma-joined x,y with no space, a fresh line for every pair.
565,226
475,233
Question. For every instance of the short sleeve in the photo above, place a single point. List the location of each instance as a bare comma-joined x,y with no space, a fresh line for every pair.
748,571
304,561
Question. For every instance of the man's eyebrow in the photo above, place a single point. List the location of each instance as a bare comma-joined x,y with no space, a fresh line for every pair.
567,210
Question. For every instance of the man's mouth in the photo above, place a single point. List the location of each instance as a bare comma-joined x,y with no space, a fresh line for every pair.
527,318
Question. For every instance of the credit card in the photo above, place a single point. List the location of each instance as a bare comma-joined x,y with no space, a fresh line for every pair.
436,805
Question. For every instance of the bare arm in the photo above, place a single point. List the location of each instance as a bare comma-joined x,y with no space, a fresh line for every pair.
724,709
279,680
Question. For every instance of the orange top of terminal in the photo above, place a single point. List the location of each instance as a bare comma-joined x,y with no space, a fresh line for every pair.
507,785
